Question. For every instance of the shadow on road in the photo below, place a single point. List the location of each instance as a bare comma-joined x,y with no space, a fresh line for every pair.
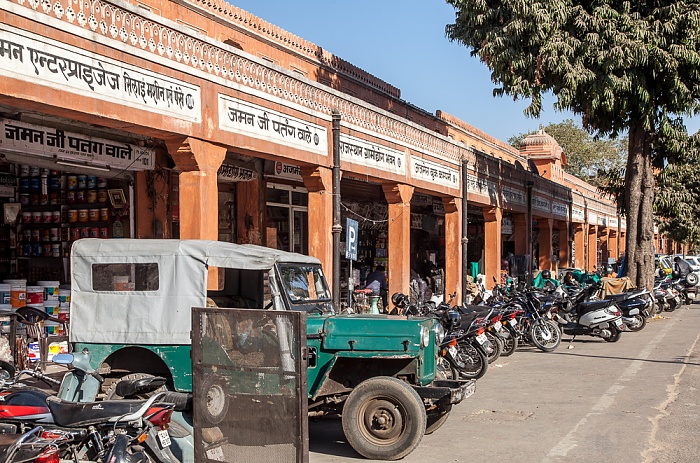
679,361
326,436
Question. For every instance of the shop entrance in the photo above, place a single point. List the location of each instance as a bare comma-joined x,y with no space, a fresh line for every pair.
287,218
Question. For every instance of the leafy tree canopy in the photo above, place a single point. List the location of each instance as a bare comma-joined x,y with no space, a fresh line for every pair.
622,65
613,62
586,156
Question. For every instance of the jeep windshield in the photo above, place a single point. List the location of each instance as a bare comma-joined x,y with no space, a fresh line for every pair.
306,287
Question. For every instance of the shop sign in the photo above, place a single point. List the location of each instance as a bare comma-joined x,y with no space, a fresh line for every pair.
7,191
560,209
612,222
541,204
513,196
38,60
438,207
8,179
577,213
507,226
288,171
61,145
592,217
417,221
351,227
422,169
481,186
602,220
231,173
371,155
256,121
419,200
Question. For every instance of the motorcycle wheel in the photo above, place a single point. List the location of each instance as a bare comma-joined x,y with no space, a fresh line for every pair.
445,371
474,360
671,306
497,347
638,322
615,336
510,344
545,335
7,371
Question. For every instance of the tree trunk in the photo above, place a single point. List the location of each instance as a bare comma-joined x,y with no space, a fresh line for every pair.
639,199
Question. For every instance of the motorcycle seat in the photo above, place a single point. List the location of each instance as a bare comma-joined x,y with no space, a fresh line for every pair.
79,414
590,306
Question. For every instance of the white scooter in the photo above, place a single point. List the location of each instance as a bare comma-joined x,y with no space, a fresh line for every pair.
581,316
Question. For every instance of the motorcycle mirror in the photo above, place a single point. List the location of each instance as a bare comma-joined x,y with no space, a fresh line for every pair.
63,359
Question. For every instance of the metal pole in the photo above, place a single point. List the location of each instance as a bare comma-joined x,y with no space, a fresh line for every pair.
337,228
465,226
529,184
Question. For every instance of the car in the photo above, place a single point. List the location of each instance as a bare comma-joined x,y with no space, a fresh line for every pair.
132,309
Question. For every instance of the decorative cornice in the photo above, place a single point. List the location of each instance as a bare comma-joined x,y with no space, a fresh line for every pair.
146,33
276,34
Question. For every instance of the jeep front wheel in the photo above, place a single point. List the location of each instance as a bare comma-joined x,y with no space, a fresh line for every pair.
384,418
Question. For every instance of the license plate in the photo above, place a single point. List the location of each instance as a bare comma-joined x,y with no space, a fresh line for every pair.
619,323
453,351
216,454
482,339
497,327
164,438
513,322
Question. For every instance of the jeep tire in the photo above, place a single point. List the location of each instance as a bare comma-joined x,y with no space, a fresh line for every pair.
384,418
214,399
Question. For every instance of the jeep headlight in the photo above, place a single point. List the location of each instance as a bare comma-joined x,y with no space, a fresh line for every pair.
439,333
424,336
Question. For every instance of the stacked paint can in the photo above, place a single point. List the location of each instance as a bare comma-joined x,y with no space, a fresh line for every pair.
18,292
64,305
51,303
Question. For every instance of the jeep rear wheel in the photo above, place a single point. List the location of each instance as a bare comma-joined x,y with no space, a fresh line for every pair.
384,419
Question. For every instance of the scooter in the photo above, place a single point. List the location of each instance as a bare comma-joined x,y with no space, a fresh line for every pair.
636,306
591,318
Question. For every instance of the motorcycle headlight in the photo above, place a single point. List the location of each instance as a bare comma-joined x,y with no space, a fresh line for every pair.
424,336
439,333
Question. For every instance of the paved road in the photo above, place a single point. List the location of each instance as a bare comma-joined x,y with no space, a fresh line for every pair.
637,400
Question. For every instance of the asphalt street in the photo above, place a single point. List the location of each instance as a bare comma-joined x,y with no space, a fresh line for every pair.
636,400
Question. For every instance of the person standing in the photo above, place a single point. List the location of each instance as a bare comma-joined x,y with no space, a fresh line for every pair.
376,281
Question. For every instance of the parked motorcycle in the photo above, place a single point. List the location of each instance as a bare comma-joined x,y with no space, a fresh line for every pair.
583,316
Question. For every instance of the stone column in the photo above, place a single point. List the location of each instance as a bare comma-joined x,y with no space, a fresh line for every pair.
198,162
250,207
592,250
492,244
580,245
604,251
521,231
612,245
623,242
564,245
453,247
319,182
545,239
399,239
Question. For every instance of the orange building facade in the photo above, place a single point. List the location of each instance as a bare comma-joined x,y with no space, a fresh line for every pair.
225,129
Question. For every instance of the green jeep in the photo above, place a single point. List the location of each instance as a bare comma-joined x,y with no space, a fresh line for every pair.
131,305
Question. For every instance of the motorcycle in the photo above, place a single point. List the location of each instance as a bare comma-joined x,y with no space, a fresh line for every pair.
636,307
130,431
34,446
582,316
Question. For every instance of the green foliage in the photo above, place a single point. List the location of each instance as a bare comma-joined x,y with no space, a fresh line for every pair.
613,62
586,156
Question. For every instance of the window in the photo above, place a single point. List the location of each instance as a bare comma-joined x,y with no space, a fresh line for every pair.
125,277
304,283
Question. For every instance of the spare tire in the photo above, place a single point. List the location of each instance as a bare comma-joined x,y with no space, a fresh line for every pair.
692,279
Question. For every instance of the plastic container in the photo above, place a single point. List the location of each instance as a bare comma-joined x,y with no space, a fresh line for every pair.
33,351
5,292
52,308
35,295
64,296
121,283
51,289
18,292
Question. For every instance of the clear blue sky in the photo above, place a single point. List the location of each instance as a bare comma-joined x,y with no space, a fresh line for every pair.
403,43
